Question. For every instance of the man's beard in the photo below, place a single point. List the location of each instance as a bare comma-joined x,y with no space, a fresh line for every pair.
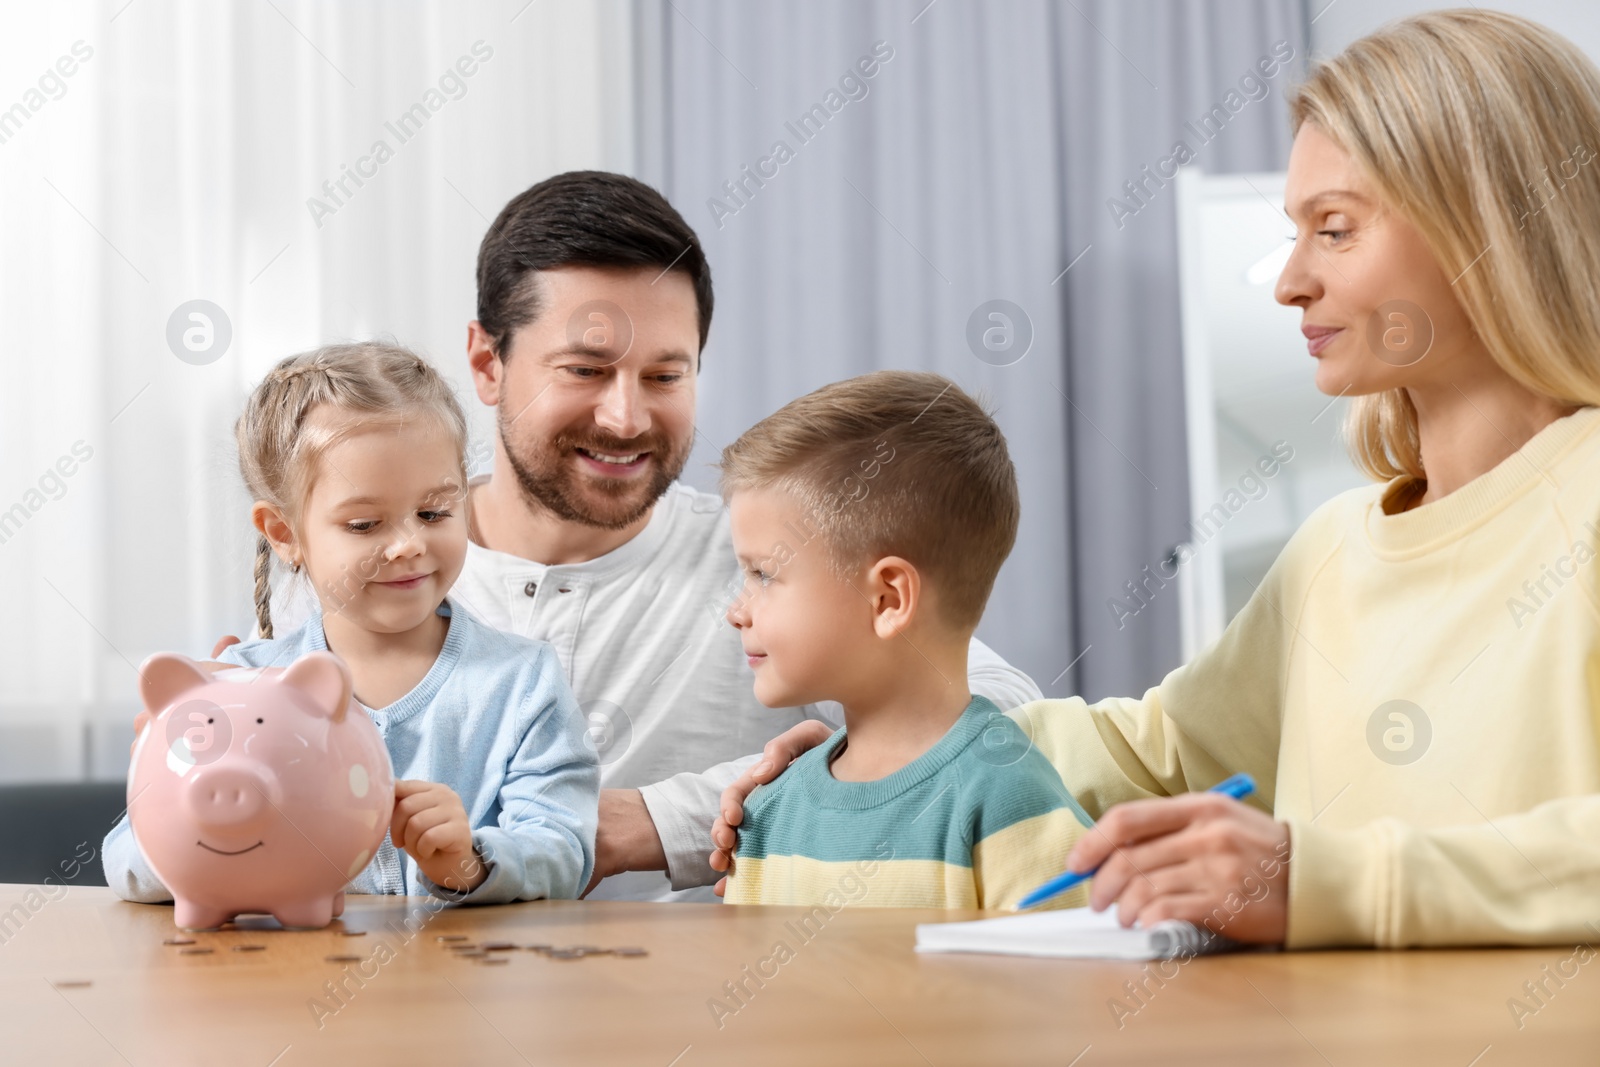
548,478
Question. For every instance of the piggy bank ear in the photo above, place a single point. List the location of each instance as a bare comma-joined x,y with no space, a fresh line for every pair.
166,676
324,678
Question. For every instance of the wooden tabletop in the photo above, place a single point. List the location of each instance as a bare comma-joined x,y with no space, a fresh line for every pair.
86,978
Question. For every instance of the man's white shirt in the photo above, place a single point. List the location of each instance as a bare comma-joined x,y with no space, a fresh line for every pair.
658,672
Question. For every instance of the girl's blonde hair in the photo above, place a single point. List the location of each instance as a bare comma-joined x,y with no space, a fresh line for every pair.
1481,129
377,382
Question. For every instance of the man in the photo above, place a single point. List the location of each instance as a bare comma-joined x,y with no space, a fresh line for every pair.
594,303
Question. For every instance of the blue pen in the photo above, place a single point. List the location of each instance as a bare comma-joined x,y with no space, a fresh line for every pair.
1238,787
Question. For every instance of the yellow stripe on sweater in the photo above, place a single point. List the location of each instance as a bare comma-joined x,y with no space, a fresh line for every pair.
1011,863
868,883
1006,866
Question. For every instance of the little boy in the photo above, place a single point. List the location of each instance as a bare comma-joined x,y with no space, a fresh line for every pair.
871,518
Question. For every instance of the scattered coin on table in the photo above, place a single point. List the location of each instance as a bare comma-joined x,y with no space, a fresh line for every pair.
178,941
72,983
481,951
451,937
196,951
342,959
494,959
353,933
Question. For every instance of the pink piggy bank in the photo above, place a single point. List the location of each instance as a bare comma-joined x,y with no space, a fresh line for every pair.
257,789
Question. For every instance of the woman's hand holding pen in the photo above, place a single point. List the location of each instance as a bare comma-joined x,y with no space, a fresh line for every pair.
1201,857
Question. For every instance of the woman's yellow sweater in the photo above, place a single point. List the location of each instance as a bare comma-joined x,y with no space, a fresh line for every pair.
1418,696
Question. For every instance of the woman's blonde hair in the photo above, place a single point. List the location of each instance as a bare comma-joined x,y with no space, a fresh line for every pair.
1482,130
377,382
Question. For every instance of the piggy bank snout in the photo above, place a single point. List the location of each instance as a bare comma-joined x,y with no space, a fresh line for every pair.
231,797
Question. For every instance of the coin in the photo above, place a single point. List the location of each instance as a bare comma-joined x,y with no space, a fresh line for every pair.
451,937
538,948
178,941
466,947
195,951
564,954
494,959
342,959
72,983
249,948
630,951
497,946
353,933
475,954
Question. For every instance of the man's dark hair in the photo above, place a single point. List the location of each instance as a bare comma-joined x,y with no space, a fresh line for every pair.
583,218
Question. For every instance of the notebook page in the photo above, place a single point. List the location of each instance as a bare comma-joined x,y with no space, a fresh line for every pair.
1072,933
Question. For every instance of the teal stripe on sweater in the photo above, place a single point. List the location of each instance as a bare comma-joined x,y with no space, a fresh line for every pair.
981,777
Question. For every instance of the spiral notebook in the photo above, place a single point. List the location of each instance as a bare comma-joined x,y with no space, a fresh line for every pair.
1074,933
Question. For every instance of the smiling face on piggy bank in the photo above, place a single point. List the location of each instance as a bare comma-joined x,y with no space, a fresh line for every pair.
257,789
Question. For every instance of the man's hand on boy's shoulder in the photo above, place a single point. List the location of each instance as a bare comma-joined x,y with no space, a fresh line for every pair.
775,759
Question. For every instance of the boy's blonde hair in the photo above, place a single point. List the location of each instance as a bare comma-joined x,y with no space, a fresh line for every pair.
1480,128
896,463
377,382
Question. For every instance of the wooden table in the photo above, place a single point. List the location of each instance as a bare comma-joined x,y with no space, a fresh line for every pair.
850,991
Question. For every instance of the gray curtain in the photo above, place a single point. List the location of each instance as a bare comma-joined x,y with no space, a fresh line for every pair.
974,165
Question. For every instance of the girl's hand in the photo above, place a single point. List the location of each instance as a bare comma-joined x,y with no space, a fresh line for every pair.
430,824
1202,857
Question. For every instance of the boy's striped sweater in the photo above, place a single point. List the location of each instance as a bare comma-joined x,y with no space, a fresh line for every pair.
977,821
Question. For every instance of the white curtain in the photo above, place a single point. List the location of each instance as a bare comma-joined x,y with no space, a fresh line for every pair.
157,153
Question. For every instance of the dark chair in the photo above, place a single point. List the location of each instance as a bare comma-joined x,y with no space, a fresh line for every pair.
53,831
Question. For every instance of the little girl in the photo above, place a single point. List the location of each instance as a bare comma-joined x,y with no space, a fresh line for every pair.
355,455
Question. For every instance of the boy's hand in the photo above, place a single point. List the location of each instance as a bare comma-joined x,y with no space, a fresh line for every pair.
430,824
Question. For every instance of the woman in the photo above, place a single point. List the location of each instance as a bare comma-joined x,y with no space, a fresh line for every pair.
1416,683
